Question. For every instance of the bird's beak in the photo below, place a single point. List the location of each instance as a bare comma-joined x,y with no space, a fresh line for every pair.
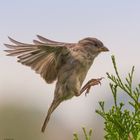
103,49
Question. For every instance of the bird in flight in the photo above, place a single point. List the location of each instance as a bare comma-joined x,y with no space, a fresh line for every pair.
66,63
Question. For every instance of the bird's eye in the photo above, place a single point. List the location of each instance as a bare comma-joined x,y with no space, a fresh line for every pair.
96,44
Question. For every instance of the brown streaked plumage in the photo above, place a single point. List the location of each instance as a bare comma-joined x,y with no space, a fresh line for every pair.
68,63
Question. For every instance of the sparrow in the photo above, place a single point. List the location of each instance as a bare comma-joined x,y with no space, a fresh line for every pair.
66,63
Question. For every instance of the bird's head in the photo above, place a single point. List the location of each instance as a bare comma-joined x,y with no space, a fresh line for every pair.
93,44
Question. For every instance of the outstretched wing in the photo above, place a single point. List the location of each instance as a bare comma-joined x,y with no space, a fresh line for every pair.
42,56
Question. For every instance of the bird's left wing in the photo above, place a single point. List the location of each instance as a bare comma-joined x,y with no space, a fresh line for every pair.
42,56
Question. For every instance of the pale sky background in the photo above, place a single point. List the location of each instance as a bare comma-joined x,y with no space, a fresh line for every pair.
25,97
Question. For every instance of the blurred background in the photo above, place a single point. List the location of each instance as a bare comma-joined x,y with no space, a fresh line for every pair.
24,95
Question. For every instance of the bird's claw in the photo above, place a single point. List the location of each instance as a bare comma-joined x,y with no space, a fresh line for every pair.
91,83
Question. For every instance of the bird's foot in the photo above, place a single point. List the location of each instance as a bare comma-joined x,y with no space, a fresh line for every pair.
89,84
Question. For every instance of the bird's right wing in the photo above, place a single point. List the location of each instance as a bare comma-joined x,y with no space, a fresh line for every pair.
42,56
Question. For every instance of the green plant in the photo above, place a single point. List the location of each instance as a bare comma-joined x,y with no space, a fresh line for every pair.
86,134
121,123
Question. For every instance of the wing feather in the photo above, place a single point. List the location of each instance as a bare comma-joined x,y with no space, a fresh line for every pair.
45,40
40,56
17,42
38,42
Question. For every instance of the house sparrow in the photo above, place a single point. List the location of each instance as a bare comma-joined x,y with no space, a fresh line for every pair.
68,63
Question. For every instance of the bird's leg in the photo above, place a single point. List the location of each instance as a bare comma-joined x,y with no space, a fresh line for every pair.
88,85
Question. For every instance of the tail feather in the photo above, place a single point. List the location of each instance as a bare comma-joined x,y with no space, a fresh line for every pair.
53,106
